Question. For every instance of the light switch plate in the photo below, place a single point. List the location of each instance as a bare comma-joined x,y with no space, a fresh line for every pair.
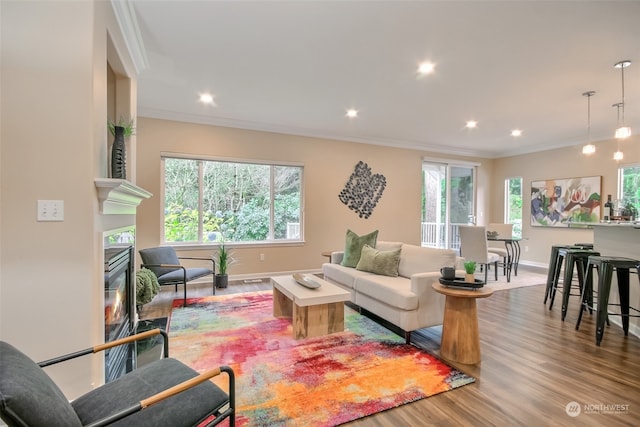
50,210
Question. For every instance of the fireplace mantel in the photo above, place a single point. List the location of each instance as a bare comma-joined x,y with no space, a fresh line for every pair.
119,196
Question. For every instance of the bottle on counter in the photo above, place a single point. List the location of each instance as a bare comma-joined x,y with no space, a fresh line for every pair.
608,208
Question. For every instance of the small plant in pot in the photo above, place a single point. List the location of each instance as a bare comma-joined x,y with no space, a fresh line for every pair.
629,211
470,269
127,125
224,260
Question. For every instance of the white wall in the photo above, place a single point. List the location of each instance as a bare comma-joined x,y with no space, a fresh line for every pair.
328,165
561,163
53,146
53,143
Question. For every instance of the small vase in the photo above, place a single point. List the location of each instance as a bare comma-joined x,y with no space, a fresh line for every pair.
469,278
118,154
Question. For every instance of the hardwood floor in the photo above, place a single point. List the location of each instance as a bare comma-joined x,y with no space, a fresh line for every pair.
533,366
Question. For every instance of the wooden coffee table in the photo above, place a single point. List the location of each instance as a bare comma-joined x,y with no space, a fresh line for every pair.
314,312
460,333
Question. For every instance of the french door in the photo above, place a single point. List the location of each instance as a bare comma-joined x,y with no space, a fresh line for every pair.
448,200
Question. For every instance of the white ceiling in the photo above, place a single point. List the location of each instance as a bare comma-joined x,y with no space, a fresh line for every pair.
296,66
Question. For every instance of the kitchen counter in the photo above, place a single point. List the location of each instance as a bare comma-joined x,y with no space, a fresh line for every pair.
623,240
633,224
623,224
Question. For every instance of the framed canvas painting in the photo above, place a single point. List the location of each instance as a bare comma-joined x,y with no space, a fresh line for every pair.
560,202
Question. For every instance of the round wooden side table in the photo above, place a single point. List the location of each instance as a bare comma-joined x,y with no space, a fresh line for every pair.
460,333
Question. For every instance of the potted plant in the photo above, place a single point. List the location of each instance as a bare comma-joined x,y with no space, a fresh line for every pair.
629,211
224,260
147,287
470,269
128,126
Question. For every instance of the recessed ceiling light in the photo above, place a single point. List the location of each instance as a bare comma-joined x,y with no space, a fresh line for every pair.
516,132
206,98
471,124
351,113
426,68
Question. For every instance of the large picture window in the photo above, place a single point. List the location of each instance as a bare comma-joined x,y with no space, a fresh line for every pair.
209,201
629,190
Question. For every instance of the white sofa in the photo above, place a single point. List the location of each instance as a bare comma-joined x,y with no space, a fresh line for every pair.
407,301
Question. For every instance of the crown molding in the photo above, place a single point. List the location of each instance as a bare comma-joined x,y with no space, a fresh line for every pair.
154,113
128,22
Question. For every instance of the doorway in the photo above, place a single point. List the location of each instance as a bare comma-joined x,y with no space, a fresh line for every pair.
448,201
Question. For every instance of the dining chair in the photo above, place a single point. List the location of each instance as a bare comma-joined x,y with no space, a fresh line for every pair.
473,247
502,230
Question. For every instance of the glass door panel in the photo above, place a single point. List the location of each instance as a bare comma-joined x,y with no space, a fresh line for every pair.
434,212
447,201
461,202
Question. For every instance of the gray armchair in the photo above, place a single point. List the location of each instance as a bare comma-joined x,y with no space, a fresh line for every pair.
165,264
163,393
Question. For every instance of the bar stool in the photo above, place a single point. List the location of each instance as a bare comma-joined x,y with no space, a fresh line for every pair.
573,257
605,266
554,266
579,259
586,302
584,245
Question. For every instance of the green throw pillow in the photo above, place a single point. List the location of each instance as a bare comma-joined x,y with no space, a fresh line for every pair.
354,244
379,262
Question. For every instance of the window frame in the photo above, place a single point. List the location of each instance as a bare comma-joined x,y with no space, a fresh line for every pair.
507,203
255,243
448,236
620,190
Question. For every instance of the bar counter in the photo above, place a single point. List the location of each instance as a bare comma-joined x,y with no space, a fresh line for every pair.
620,239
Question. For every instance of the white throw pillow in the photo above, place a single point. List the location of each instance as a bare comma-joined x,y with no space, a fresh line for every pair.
418,259
388,246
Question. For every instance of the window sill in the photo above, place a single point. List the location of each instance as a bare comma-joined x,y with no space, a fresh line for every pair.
233,245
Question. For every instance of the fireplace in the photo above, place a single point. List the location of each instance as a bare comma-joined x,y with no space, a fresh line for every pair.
119,309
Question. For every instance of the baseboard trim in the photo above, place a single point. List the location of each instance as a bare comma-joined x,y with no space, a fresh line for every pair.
255,276
534,265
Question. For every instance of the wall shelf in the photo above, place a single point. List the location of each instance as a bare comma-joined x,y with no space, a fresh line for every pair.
119,196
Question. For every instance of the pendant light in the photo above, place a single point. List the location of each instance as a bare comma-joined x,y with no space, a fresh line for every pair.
622,131
589,148
618,155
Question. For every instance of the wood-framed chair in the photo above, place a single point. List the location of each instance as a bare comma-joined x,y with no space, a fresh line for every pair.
165,264
163,393
473,247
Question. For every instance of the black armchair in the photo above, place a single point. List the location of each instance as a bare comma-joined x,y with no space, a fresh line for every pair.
162,393
165,264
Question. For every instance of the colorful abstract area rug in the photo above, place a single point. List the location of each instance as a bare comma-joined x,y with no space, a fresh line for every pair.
322,381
